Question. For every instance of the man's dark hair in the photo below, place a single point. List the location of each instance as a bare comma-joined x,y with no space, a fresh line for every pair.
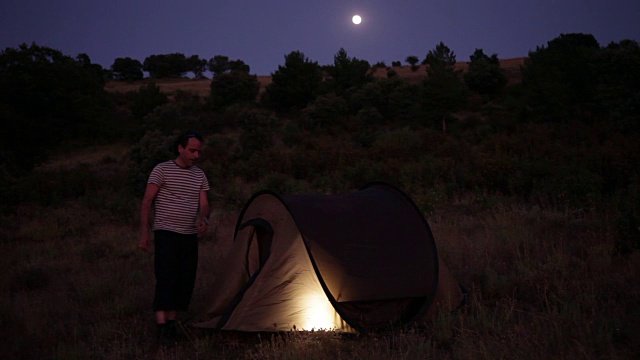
183,139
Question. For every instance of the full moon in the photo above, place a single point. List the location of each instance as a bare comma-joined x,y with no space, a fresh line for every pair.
356,19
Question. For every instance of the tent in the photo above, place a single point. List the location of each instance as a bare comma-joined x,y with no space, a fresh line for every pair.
352,262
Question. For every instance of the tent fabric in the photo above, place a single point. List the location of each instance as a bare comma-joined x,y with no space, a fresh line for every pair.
353,262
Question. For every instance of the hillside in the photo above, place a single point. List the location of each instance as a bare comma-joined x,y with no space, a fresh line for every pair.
532,196
201,86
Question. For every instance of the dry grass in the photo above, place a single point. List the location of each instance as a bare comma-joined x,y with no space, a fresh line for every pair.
543,283
92,155
200,87
510,66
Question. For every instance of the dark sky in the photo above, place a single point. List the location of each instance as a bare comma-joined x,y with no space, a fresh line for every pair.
262,32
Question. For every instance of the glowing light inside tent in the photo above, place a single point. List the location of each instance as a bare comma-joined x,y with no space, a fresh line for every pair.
320,314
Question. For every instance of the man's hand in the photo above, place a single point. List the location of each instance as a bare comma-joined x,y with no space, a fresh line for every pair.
145,209
202,226
145,241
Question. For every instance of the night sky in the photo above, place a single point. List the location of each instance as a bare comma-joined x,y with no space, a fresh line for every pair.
261,33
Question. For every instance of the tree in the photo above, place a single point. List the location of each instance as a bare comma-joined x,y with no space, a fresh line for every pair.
413,61
559,79
197,66
233,87
443,92
347,72
84,60
618,75
46,98
441,56
379,65
219,65
127,69
394,99
294,84
166,66
239,66
485,76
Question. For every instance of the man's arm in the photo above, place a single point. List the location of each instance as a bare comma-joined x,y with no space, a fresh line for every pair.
145,211
204,213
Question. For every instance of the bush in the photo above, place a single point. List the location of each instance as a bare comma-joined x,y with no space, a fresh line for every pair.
146,99
258,128
627,221
154,148
325,113
291,134
169,119
52,187
368,118
402,143
282,184
233,88
219,154
363,172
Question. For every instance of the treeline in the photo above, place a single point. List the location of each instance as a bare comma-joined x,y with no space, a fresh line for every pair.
174,65
566,135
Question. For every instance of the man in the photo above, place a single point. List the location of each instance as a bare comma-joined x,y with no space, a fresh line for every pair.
178,191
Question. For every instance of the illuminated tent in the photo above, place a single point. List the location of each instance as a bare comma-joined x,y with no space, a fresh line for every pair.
351,262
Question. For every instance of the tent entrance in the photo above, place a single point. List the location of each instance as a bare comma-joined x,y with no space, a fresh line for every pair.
257,235
258,249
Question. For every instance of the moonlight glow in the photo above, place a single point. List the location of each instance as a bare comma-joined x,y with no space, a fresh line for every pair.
356,19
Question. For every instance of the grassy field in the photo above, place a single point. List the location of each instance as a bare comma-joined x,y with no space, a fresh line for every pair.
544,282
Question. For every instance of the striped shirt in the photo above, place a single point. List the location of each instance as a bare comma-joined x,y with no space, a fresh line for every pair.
178,199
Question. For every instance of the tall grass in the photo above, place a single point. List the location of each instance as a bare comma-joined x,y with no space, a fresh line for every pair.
547,278
543,281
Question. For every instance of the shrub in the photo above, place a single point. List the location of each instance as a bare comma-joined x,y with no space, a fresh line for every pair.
154,148
147,98
30,278
402,143
169,119
282,184
8,197
325,113
258,128
52,187
261,163
368,118
627,222
219,154
362,172
291,134
569,184
627,228
234,87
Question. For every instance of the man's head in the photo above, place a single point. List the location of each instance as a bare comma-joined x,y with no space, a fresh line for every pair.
188,147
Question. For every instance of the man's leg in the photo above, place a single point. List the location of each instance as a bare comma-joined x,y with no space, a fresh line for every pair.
166,273
163,316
